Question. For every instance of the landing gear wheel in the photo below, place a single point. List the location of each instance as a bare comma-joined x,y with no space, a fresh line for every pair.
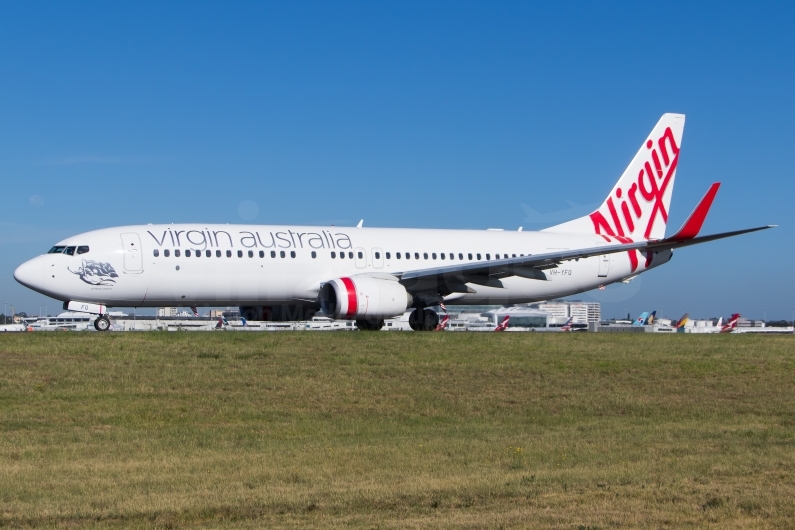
370,325
102,323
431,320
414,320
423,320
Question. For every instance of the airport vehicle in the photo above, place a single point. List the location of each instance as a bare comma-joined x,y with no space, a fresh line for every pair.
12,328
370,274
65,321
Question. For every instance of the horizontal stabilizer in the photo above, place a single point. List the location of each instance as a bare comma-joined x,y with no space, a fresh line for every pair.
695,221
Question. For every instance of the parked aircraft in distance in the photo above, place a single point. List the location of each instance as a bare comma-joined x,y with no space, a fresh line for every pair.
567,325
680,324
369,274
645,319
730,325
502,326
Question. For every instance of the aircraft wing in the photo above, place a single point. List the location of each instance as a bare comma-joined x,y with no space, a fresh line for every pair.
452,278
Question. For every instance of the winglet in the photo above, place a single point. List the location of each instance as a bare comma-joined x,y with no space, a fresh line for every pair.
696,219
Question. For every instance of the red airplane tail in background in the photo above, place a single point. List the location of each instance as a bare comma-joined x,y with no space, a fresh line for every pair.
729,326
504,324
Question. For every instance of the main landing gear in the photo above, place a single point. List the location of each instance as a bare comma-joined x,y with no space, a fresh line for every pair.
422,319
102,323
370,325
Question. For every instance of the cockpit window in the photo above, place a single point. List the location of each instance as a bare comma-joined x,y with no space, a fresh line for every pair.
82,249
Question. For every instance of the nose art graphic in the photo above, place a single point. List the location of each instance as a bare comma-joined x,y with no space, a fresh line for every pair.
96,273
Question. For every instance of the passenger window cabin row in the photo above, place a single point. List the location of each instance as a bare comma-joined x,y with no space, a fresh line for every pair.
451,255
334,254
219,254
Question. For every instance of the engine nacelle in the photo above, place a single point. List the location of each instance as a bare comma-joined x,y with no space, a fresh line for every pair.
363,297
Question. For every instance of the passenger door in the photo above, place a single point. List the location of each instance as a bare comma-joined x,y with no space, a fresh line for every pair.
133,259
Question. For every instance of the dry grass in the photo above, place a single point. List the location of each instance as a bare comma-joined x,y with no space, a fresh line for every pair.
380,430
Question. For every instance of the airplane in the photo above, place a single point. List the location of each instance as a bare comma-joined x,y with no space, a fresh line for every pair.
567,325
442,323
369,274
731,324
681,323
645,319
502,326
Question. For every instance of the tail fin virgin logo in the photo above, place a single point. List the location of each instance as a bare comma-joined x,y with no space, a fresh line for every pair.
623,216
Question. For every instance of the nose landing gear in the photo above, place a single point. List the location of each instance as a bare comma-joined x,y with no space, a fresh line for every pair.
102,323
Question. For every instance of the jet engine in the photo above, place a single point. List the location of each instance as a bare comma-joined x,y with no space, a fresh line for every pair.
364,297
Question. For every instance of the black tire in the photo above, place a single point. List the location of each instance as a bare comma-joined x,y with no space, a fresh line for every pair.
102,323
427,322
370,325
413,321
431,320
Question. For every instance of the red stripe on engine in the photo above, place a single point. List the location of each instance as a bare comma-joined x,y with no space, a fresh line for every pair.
352,300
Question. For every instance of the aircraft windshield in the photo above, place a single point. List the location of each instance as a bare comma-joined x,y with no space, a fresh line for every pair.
82,249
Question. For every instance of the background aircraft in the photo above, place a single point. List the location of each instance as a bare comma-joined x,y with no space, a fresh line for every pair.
502,326
645,319
731,325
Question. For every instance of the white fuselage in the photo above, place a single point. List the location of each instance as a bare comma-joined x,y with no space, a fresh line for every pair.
219,265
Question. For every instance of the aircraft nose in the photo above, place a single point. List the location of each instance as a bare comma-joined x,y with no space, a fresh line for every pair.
30,274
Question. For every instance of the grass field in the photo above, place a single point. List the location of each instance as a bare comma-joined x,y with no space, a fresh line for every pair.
396,430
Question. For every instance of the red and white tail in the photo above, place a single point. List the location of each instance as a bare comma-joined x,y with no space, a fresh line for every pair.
637,207
731,324
502,326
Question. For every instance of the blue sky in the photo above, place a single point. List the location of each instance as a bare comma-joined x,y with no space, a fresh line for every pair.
418,114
